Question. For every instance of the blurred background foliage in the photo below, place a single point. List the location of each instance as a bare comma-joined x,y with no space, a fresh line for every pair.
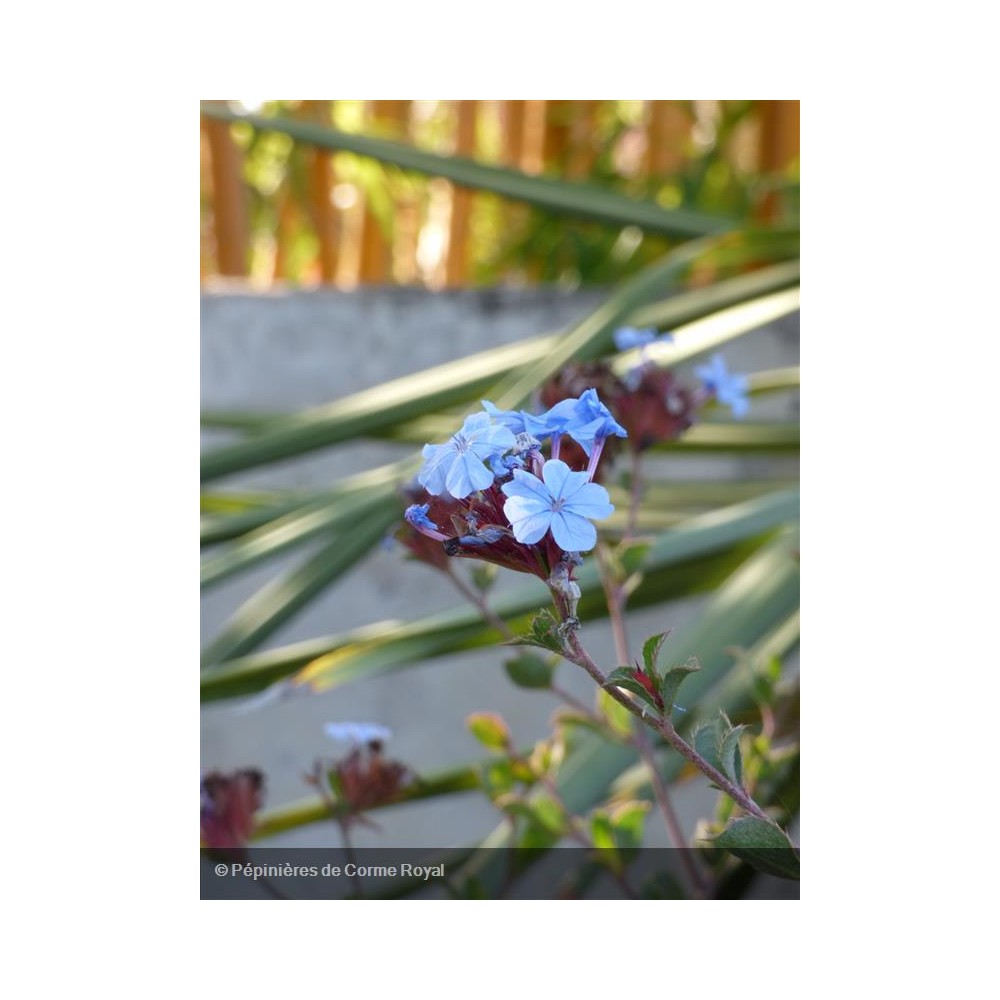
274,210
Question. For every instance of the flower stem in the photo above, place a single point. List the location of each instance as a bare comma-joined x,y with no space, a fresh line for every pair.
615,595
575,653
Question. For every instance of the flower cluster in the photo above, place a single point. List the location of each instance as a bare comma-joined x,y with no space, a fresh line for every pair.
365,778
491,493
228,804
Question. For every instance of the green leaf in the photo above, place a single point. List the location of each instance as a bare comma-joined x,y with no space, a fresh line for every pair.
730,754
631,555
318,518
543,633
628,821
593,335
315,810
490,729
699,554
498,778
719,743
577,199
602,832
651,650
286,595
674,678
624,677
761,845
397,404
529,671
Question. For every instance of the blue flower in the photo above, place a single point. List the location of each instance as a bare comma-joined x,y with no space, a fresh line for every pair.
594,422
586,420
728,389
555,421
416,514
513,420
457,466
561,501
629,336
357,733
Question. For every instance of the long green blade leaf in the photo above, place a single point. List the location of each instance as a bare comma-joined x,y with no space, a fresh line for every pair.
573,198
387,646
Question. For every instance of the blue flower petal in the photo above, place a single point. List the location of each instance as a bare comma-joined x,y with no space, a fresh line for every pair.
572,532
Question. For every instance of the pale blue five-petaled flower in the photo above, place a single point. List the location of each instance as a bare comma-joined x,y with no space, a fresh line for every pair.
562,501
457,465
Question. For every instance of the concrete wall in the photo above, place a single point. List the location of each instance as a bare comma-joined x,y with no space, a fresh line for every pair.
288,351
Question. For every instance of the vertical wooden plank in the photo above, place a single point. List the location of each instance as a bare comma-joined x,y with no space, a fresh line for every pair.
232,228
321,180
558,115
779,144
779,141
457,264
512,124
533,137
668,127
583,146
388,118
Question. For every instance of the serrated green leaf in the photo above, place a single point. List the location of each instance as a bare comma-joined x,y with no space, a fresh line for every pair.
674,678
624,677
761,845
730,755
490,729
651,650
529,671
706,742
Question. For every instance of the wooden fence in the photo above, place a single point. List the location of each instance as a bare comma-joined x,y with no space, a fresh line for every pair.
272,214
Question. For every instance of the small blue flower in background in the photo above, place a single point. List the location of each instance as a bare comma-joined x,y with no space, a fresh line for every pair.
561,501
457,466
728,389
628,337
357,733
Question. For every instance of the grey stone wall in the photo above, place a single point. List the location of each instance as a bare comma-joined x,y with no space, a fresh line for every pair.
287,351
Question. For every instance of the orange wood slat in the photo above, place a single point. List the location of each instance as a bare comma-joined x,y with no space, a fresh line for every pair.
779,144
583,143
321,180
229,202
390,118
512,139
457,263
668,129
